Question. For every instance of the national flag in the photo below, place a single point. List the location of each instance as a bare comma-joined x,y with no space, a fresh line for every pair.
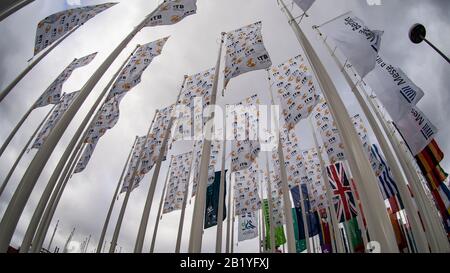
399,236
304,4
245,52
248,228
55,26
55,116
52,94
171,12
343,198
326,244
354,235
299,231
358,43
311,217
212,201
429,157
280,238
386,182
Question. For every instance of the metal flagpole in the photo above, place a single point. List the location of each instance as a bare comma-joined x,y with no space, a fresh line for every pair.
87,243
13,168
161,203
373,204
221,195
8,89
183,209
232,231
229,212
76,142
195,239
113,201
151,190
262,231
53,236
259,234
269,201
11,8
418,232
15,208
309,218
68,241
129,189
332,210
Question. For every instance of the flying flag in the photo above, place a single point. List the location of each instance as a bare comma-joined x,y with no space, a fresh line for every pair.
133,165
387,184
52,94
245,52
295,89
354,235
246,191
416,129
343,199
429,157
248,228
394,89
178,182
56,115
358,43
277,198
55,26
313,168
304,4
311,217
280,238
171,12
198,149
299,230
212,201
326,244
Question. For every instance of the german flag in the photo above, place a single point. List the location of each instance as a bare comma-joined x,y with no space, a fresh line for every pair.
429,157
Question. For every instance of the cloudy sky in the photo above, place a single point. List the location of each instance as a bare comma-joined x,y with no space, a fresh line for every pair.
192,48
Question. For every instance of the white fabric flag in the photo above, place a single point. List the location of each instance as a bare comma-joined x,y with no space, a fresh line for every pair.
295,89
56,115
417,130
85,157
304,4
277,198
133,165
245,52
216,147
171,12
358,43
317,190
178,182
53,27
52,94
246,191
248,226
394,89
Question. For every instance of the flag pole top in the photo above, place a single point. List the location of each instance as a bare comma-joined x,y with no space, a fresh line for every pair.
417,33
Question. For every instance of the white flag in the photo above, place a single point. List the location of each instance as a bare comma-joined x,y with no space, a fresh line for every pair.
295,89
246,191
277,198
317,198
171,12
56,115
216,147
248,228
133,165
304,4
417,130
245,52
358,43
85,157
57,25
52,94
394,89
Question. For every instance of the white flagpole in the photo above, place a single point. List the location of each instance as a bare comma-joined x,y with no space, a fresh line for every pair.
262,231
13,168
221,195
229,212
259,233
15,6
151,190
232,231
413,216
129,190
87,243
76,142
195,239
113,201
14,210
378,221
8,89
308,188
161,203
332,210
183,209
269,201
53,236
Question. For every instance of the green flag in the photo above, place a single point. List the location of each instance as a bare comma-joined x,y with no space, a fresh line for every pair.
280,238
354,235
300,244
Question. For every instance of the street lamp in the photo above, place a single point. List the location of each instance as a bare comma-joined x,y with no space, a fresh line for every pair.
417,34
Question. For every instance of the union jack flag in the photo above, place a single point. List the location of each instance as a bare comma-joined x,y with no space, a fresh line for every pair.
343,199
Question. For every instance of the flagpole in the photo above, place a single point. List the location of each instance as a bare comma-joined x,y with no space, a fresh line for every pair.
8,89
151,190
308,188
232,230
196,234
13,168
418,232
130,189
263,220
259,233
183,209
161,203
87,244
332,210
76,142
53,236
111,207
221,195
372,200
227,244
14,131
15,209
269,201
4,13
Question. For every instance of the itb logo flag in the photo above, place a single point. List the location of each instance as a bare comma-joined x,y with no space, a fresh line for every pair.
133,165
198,148
171,12
245,52
52,94
314,178
277,198
246,191
55,26
358,43
294,86
248,226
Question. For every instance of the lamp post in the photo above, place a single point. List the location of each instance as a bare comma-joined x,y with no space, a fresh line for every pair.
417,34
